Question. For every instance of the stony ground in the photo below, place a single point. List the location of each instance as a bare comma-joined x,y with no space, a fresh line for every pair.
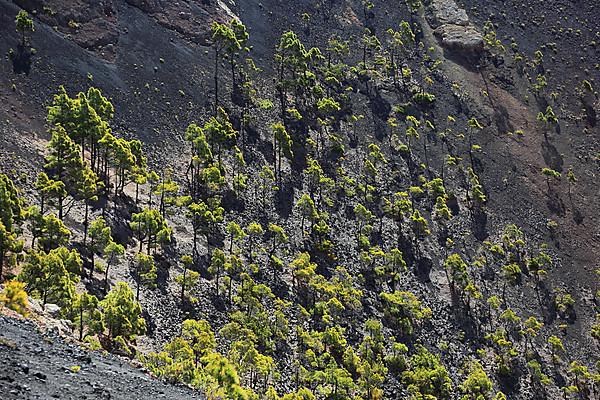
36,365
158,76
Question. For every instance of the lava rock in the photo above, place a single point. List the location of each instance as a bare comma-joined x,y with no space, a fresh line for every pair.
52,309
41,376
447,12
461,38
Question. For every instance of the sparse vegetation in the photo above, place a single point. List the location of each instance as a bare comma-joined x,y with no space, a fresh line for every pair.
350,224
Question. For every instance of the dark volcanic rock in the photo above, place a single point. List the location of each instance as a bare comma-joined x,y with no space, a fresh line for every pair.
25,374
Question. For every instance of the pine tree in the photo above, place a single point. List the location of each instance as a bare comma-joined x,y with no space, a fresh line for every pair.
12,213
233,267
398,208
166,191
87,315
100,237
24,24
113,251
201,157
229,38
122,313
239,177
204,218
9,243
189,278
267,184
477,385
150,227
282,146
87,190
239,44
254,231
364,218
225,377
427,377
405,309
139,171
217,266
49,190
307,209
393,267
52,276
51,230
456,272
63,163
219,132
200,336
236,233
85,118
145,272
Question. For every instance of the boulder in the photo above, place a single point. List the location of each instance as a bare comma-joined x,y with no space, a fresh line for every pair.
464,39
452,27
52,309
447,12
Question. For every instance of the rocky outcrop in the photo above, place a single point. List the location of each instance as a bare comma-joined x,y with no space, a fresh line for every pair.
454,30
148,6
91,24
464,39
192,19
94,25
447,12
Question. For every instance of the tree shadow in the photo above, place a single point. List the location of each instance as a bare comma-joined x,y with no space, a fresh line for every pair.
162,272
284,200
479,222
21,59
555,204
150,324
232,201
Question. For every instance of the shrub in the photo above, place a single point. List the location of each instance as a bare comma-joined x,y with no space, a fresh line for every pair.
15,297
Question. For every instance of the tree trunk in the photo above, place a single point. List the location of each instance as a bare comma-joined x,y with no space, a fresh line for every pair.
86,223
150,240
80,322
183,285
138,281
195,243
216,81
229,289
217,273
92,260
1,259
60,207
106,278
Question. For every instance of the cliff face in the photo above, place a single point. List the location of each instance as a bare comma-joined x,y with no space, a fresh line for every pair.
154,59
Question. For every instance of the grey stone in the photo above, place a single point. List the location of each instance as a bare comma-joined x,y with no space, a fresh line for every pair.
448,12
52,309
452,27
462,38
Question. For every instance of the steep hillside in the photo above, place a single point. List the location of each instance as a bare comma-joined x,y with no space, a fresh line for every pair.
357,213
35,364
